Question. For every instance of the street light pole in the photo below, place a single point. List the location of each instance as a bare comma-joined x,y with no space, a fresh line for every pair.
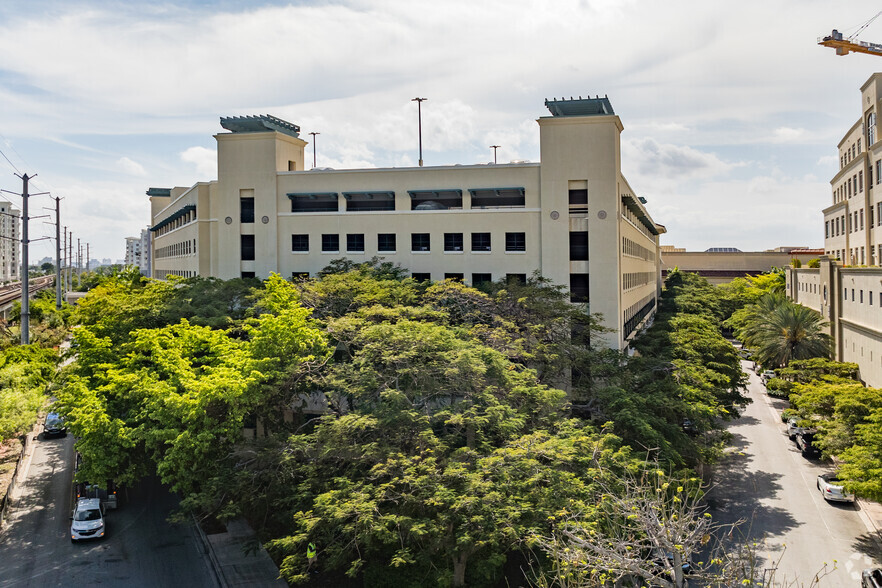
313,148
419,102
494,148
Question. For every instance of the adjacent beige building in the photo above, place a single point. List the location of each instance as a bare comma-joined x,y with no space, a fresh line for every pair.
847,289
573,217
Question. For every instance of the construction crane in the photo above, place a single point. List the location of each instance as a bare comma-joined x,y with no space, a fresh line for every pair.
844,46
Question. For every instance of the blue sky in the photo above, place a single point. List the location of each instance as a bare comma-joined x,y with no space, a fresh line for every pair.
732,112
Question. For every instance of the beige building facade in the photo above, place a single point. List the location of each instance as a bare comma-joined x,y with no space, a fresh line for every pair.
847,289
721,267
573,217
10,243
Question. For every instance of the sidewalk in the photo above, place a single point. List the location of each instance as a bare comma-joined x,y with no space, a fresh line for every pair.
871,513
237,559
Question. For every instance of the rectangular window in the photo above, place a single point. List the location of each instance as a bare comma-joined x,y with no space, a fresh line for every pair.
861,297
246,210
578,201
435,199
299,276
480,241
457,277
331,243
498,198
481,279
516,278
861,181
579,245
421,277
386,242
299,242
367,201
870,217
878,171
315,202
248,275
826,229
419,242
862,219
515,241
247,246
452,241
579,288
355,243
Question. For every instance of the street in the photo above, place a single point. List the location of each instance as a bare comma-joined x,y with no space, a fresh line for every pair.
766,481
141,548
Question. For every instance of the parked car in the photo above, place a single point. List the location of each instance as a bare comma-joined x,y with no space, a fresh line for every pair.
793,428
87,521
805,443
871,578
767,375
831,488
54,426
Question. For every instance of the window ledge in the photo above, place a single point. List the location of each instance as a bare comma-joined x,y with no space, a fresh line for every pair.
515,252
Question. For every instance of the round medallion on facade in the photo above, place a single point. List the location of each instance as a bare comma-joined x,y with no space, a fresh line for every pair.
601,214
555,215
229,220
264,219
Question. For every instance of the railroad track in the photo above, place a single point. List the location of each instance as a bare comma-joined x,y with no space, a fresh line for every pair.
12,292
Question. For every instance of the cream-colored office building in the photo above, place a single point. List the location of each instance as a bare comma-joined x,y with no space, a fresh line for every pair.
573,217
847,289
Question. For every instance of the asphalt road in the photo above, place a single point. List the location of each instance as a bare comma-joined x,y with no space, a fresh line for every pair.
141,548
766,481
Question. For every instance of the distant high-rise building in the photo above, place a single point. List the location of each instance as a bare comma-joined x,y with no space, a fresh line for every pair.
10,260
133,251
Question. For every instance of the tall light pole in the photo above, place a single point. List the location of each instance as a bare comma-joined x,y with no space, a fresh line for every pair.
494,148
419,102
313,148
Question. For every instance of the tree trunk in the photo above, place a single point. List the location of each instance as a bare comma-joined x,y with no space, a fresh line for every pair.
459,569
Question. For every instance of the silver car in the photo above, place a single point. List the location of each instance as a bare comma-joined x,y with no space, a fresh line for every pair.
831,489
87,521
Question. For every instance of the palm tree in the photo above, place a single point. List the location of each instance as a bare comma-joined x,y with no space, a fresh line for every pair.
779,330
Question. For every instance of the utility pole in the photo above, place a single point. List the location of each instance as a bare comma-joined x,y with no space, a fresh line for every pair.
87,258
313,148
58,253
419,102
64,269
494,148
25,285
79,261
70,261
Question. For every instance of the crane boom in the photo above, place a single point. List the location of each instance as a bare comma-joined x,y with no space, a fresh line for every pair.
844,46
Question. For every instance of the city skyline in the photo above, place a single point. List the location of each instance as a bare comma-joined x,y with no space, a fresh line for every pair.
731,118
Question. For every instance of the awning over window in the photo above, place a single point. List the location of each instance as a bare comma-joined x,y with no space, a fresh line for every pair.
177,214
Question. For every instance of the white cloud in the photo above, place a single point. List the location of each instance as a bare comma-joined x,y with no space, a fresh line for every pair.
788,135
204,159
130,167
664,161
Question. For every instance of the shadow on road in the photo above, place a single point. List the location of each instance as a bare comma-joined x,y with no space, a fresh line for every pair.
869,546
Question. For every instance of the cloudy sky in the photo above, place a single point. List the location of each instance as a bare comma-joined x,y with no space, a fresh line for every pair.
732,112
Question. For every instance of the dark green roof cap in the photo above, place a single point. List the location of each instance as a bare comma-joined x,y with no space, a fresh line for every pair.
159,191
580,106
261,123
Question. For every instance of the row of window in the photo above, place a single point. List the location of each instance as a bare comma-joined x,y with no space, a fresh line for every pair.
384,200
162,274
806,287
637,279
852,186
630,216
860,296
850,153
636,313
633,249
419,242
177,249
182,217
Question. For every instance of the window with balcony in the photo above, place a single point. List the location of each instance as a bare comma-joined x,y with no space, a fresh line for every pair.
452,241
515,242
386,242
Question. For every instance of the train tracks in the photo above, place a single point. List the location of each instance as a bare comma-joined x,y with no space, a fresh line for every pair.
12,292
